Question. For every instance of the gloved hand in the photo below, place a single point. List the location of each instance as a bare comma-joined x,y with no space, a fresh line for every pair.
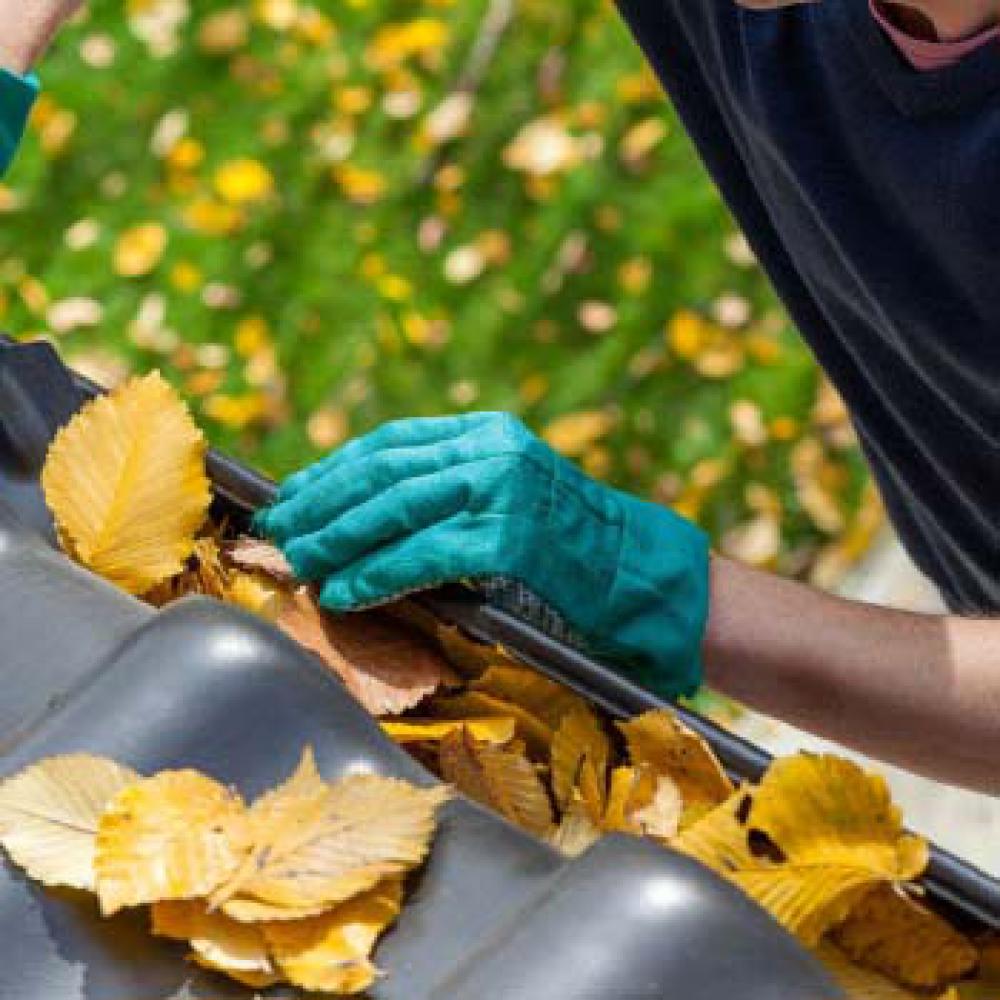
421,502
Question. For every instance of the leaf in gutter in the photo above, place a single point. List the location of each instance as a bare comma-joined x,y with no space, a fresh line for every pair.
580,740
666,746
892,933
125,480
500,779
387,667
252,554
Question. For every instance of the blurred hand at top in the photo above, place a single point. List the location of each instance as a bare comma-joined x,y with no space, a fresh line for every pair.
27,27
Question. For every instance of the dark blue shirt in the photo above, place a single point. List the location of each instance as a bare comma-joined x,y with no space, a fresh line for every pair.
871,194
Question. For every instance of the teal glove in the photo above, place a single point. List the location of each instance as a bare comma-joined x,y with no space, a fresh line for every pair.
17,97
421,502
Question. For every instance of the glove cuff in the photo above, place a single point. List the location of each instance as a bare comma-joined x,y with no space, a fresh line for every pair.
657,610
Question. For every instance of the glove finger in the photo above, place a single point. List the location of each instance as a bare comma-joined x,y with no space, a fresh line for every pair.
407,509
396,434
463,547
357,482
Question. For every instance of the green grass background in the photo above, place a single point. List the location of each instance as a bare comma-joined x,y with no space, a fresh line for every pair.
341,346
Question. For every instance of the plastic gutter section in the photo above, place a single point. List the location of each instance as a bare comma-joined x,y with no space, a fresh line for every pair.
494,914
967,894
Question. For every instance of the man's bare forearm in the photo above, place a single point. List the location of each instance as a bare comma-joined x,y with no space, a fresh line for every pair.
27,27
918,690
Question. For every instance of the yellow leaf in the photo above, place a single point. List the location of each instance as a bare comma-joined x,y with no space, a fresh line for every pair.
275,821
360,186
543,698
317,845
576,831
255,980
499,779
140,249
861,984
661,818
248,591
248,910
809,843
243,182
332,952
818,805
394,43
49,814
217,941
496,732
893,934
468,656
579,739
177,835
592,787
125,480
662,743
720,838
622,789
206,574
203,574
476,704
213,218
535,702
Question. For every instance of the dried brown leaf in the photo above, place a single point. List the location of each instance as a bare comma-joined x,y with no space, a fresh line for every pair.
892,933
384,665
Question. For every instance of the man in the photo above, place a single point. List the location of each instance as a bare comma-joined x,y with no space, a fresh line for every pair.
866,190
859,147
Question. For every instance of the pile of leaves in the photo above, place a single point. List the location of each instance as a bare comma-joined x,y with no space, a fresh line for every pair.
818,842
315,217
296,888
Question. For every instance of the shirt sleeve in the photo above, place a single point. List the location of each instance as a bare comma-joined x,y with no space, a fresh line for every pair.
17,98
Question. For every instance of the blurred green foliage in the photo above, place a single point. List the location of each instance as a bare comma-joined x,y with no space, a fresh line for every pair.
371,209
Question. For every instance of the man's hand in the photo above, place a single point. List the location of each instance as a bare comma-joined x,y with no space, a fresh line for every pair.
27,27
422,502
